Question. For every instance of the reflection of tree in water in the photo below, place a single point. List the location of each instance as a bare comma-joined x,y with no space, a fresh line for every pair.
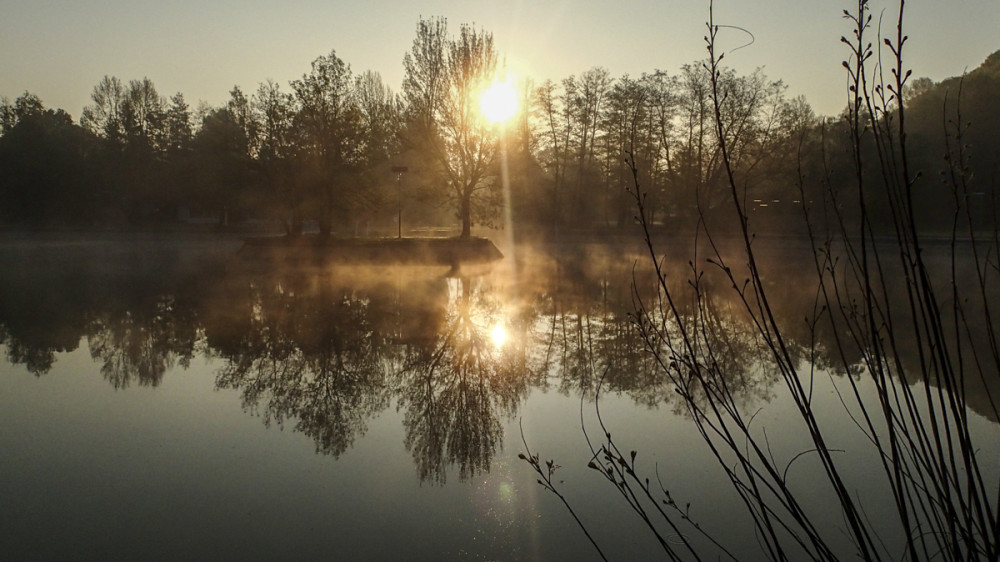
309,354
38,359
590,336
142,343
136,298
725,338
587,331
41,312
456,387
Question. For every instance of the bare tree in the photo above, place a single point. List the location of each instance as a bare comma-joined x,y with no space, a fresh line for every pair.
552,147
443,82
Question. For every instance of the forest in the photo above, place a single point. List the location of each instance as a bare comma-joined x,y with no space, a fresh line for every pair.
326,152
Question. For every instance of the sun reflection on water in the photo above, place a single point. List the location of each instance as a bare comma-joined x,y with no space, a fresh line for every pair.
499,335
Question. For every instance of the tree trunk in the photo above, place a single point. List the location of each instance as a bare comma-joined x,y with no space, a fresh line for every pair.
466,214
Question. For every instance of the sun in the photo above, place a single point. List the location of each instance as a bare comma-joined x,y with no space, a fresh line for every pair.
499,102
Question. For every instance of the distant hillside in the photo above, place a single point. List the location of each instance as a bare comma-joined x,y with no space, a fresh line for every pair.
957,121
977,96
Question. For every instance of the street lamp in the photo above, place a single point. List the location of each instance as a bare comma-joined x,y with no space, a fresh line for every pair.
399,171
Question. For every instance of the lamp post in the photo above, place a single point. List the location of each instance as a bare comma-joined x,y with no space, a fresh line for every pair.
399,171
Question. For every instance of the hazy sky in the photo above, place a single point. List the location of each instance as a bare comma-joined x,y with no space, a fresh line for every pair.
59,49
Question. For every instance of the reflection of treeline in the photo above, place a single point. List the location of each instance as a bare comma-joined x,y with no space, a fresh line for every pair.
324,150
326,351
574,318
136,302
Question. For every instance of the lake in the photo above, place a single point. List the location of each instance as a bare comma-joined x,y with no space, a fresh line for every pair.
163,396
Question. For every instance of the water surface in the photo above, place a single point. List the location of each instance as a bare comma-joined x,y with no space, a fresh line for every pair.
161,397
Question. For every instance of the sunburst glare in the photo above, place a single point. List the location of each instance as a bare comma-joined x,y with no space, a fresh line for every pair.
499,102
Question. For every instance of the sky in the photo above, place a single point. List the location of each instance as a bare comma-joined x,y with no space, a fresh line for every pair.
60,49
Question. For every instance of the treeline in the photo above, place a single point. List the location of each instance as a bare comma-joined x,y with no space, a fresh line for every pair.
137,157
328,150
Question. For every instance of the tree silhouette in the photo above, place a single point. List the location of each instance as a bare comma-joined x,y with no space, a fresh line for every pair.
444,79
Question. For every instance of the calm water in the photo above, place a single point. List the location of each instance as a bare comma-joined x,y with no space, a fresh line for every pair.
168,398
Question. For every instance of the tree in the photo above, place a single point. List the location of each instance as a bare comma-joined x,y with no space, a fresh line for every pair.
104,116
750,111
552,148
626,135
28,105
7,118
273,111
380,112
177,124
584,99
239,107
44,175
25,106
959,117
221,163
444,78
425,85
142,116
326,126
661,92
